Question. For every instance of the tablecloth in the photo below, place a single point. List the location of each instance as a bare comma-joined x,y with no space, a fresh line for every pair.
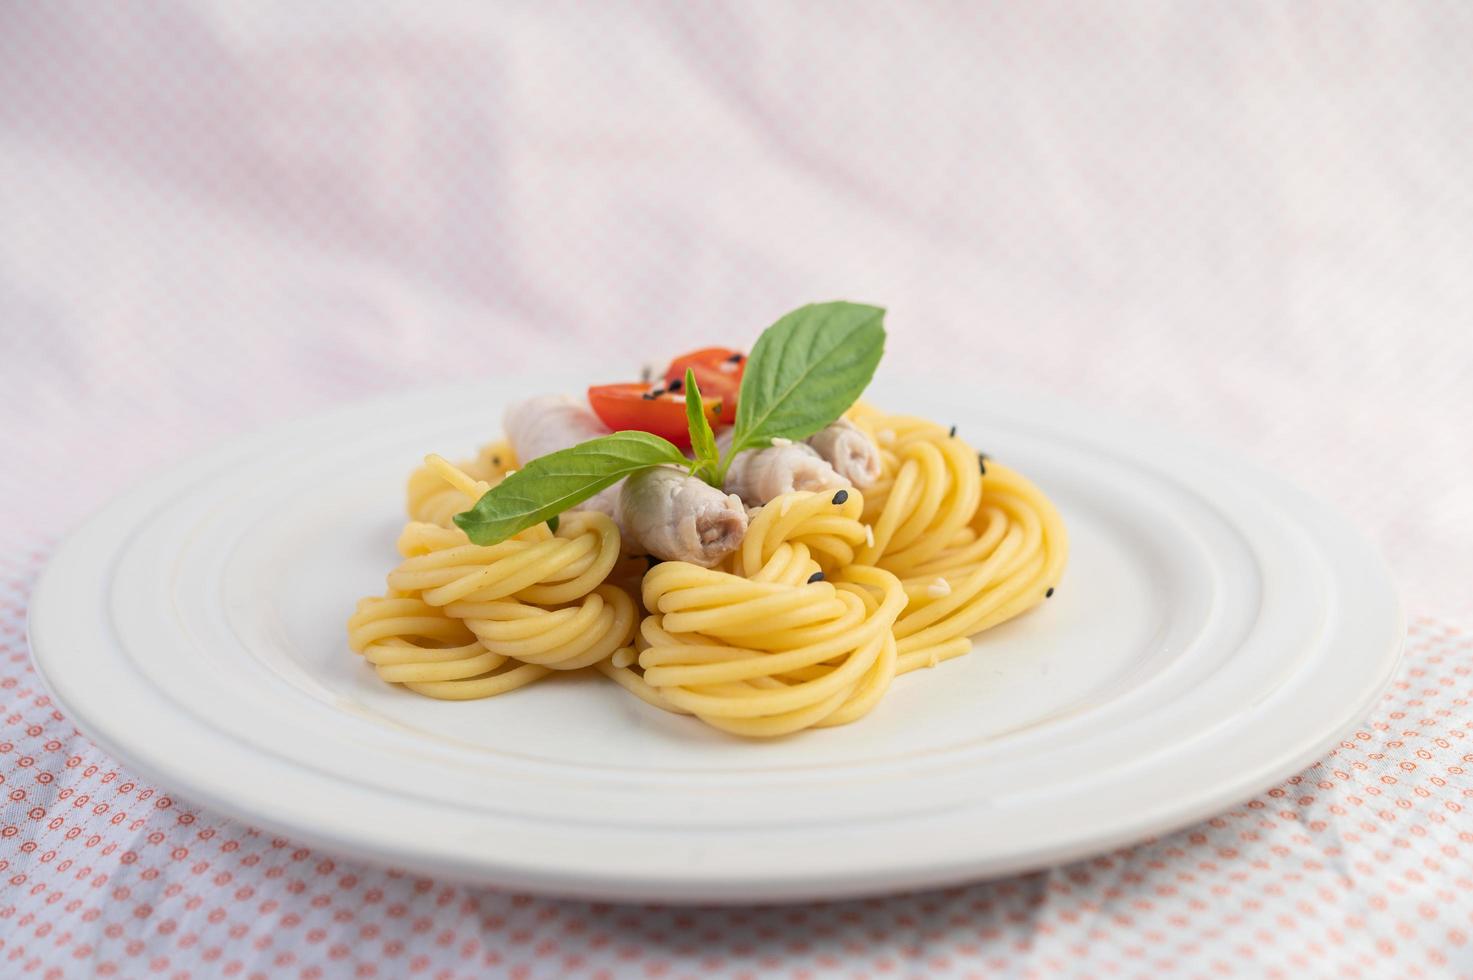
1253,221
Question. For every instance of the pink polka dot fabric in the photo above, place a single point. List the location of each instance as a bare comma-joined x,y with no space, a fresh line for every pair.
1253,222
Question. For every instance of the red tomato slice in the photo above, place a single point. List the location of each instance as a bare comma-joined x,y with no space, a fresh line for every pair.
636,406
718,371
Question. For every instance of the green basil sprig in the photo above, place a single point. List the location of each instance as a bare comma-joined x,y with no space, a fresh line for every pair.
803,373
549,485
702,439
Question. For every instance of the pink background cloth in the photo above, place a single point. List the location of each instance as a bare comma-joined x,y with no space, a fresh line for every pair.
1257,224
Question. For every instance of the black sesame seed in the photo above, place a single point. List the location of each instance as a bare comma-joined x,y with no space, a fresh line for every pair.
495,460
841,496
1049,594
815,577
653,393
735,358
717,409
952,433
675,385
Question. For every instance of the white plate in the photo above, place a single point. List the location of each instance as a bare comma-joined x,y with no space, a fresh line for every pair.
1214,632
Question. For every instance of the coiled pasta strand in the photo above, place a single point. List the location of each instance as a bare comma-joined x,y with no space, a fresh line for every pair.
464,621
971,550
434,499
410,642
790,635
560,639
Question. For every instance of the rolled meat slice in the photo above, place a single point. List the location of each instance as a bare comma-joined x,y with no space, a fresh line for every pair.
677,517
664,512
851,452
759,475
549,423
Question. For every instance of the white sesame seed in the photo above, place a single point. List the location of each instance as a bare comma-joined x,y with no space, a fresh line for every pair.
780,441
938,588
623,658
728,367
869,535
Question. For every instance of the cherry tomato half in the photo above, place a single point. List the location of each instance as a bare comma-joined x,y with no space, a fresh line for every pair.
718,371
630,406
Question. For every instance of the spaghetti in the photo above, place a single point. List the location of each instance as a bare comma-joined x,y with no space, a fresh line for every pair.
791,636
828,599
462,621
435,499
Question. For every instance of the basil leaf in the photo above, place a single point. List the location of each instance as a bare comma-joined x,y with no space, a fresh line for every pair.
702,439
549,485
806,370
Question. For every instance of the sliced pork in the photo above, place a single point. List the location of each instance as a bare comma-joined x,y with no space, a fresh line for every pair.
851,452
759,475
676,517
664,512
549,423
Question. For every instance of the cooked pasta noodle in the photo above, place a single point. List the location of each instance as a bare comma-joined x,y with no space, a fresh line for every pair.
828,599
464,621
435,501
410,642
969,560
791,636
